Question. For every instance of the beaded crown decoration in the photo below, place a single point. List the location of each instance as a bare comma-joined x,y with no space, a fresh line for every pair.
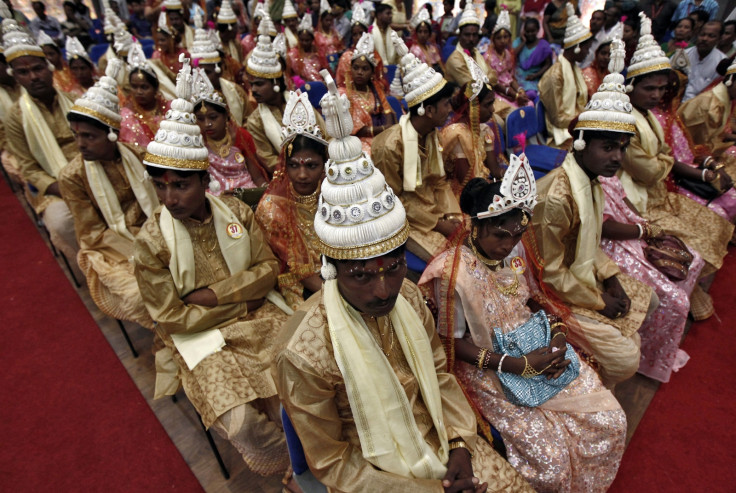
137,60
478,77
299,118
360,16
358,214
365,48
44,39
503,22
74,49
203,90
518,189
421,17
305,24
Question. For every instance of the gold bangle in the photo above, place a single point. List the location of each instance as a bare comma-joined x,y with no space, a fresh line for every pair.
560,324
529,370
481,358
460,444
559,333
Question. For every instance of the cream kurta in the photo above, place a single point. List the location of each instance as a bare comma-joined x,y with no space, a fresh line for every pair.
560,105
556,224
237,374
699,227
426,205
313,393
456,70
706,116
105,256
55,118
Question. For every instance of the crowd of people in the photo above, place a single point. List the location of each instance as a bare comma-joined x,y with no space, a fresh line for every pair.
376,263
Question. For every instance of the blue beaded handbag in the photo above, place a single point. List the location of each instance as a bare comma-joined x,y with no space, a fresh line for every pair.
531,335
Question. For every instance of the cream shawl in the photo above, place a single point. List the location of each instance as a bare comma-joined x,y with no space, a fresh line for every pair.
40,138
291,39
105,195
389,436
721,93
651,137
384,46
573,80
589,198
232,98
412,162
236,251
165,85
271,126
5,102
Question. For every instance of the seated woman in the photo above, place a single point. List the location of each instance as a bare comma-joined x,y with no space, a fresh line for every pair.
326,37
306,60
232,152
167,49
369,109
471,146
287,209
596,71
80,64
571,441
63,78
146,107
500,58
359,25
424,47
533,57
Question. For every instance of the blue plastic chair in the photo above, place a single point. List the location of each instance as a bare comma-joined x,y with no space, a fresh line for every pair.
415,263
396,106
306,480
541,123
389,71
449,47
315,90
147,45
97,51
542,158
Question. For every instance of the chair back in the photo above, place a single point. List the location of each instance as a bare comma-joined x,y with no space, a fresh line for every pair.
541,123
315,90
96,52
520,121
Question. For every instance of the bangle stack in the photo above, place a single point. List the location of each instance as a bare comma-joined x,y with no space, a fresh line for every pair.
482,359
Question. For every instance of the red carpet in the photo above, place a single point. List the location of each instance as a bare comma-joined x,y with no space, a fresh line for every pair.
685,442
72,420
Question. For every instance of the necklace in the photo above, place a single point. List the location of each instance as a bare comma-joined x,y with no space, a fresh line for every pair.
308,200
222,147
492,264
510,290
391,331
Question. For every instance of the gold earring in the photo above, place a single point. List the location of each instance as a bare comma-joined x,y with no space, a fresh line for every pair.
524,219
474,233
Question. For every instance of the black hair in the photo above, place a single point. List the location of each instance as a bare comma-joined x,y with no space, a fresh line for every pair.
531,20
135,1
701,14
396,252
76,117
605,43
728,23
2,59
302,142
54,46
446,92
716,22
590,135
633,22
157,172
594,12
692,22
213,106
81,59
381,7
149,78
68,3
478,195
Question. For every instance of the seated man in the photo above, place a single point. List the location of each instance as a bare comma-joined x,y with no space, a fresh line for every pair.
269,90
363,375
107,193
562,88
9,94
648,163
410,156
205,274
609,307
704,59
38,135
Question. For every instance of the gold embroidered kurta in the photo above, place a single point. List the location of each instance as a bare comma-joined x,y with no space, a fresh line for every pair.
104,256
55,118
706,116
556,224
239,373
564,94
8,96
426,205
313,393
698,226
456,70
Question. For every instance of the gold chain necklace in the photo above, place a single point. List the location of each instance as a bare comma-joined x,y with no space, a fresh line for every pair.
492,264
510,290
308,200
222,146
391,331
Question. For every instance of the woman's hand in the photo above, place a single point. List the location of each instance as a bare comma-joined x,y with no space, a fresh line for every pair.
459,475
545,361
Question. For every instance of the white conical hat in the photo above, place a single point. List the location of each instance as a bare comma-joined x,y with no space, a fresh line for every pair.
575,32
478,78
503,22
226,15
609,109
203,49
260,10
5,12
137,60
420,80
203,90
649,56
279,45
122,40
324,6
358,215
299,119
17,42
173,5
730,73
263,61
289,11
101,100
44,39
74,49
163,24
112,21
305,24
178,143
469,16
360,16
421,17
365,48
518,189
396,88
